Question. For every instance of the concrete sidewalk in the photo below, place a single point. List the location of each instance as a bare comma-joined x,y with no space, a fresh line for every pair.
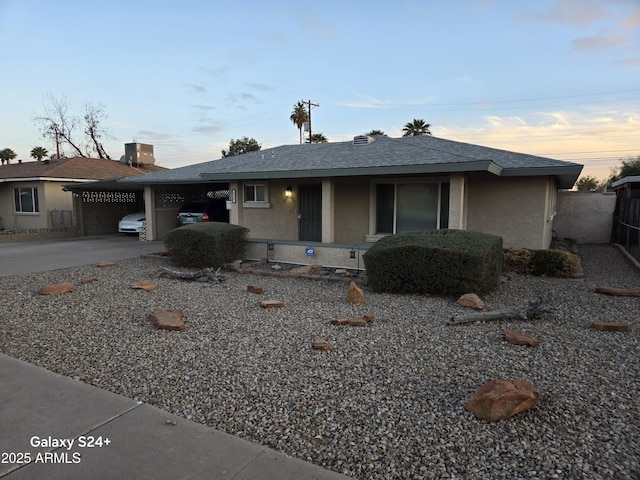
115,437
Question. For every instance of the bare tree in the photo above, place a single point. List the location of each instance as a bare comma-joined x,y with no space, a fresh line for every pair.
60,126
93,115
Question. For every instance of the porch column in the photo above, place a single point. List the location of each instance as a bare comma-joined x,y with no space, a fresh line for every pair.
150,212
328,210
458,201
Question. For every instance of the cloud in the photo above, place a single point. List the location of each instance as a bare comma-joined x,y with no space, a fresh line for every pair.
197,88
273,37
259,86
314,28
210,129
596,139
597,43
203,108
628,61
215,72
579,13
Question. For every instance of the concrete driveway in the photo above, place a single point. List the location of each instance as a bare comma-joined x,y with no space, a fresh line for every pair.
43,255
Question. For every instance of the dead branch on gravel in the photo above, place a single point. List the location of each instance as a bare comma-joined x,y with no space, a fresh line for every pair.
619,292
535,310
205,274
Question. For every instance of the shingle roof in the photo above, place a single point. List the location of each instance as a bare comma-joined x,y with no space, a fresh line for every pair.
383,155
75,168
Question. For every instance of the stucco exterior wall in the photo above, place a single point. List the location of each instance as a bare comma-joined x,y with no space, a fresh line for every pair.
352,210
279,220
11,220
514,208
6,207
584,216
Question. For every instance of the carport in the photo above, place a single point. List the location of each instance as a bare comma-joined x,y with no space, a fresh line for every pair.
100,205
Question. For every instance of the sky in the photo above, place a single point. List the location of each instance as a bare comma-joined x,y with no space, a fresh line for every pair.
556,78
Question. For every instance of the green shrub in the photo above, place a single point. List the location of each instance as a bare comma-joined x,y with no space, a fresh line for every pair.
435,261
207,244
549,263
517,260
554,263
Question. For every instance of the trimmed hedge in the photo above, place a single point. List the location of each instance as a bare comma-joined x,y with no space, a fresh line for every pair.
206,244
435,261
548,263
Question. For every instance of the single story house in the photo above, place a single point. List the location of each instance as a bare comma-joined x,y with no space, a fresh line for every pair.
326,203
33,202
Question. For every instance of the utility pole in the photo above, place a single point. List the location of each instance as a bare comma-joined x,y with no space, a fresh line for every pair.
309,104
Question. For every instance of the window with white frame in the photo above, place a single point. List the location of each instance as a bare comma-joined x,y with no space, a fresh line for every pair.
26,200
410,206
255,195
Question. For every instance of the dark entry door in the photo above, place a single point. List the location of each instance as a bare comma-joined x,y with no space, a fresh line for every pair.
310,212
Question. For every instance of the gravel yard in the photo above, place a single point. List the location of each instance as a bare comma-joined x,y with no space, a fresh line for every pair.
388,401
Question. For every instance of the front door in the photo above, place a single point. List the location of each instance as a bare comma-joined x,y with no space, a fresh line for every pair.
310,212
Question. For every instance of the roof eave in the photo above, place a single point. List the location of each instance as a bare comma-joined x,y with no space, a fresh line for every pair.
482,166
566,175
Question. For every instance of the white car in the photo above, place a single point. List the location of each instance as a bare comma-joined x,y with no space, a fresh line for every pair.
131,223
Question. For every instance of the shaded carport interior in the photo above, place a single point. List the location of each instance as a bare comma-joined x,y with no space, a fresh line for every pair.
101,204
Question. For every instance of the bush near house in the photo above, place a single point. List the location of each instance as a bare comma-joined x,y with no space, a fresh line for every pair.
548,263
435,261
209,244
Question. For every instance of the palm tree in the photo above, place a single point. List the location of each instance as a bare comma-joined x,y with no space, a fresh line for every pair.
373,133
299,116
416,128
6,155
38,153
318,138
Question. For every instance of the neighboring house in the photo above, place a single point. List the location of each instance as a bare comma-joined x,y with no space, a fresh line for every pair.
341,197
626,216
32,200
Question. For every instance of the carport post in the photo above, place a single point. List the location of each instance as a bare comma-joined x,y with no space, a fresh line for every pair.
81,212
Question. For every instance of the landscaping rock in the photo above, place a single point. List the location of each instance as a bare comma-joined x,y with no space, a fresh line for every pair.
610,326
106,264
146,286
355,294
57,288
271,304
471,300
168,319
321,344
357,322
520,338
339,321
254,289
305,269
500,399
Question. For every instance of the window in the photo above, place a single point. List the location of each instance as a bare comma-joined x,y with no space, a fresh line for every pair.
404,207
26,200
255,195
